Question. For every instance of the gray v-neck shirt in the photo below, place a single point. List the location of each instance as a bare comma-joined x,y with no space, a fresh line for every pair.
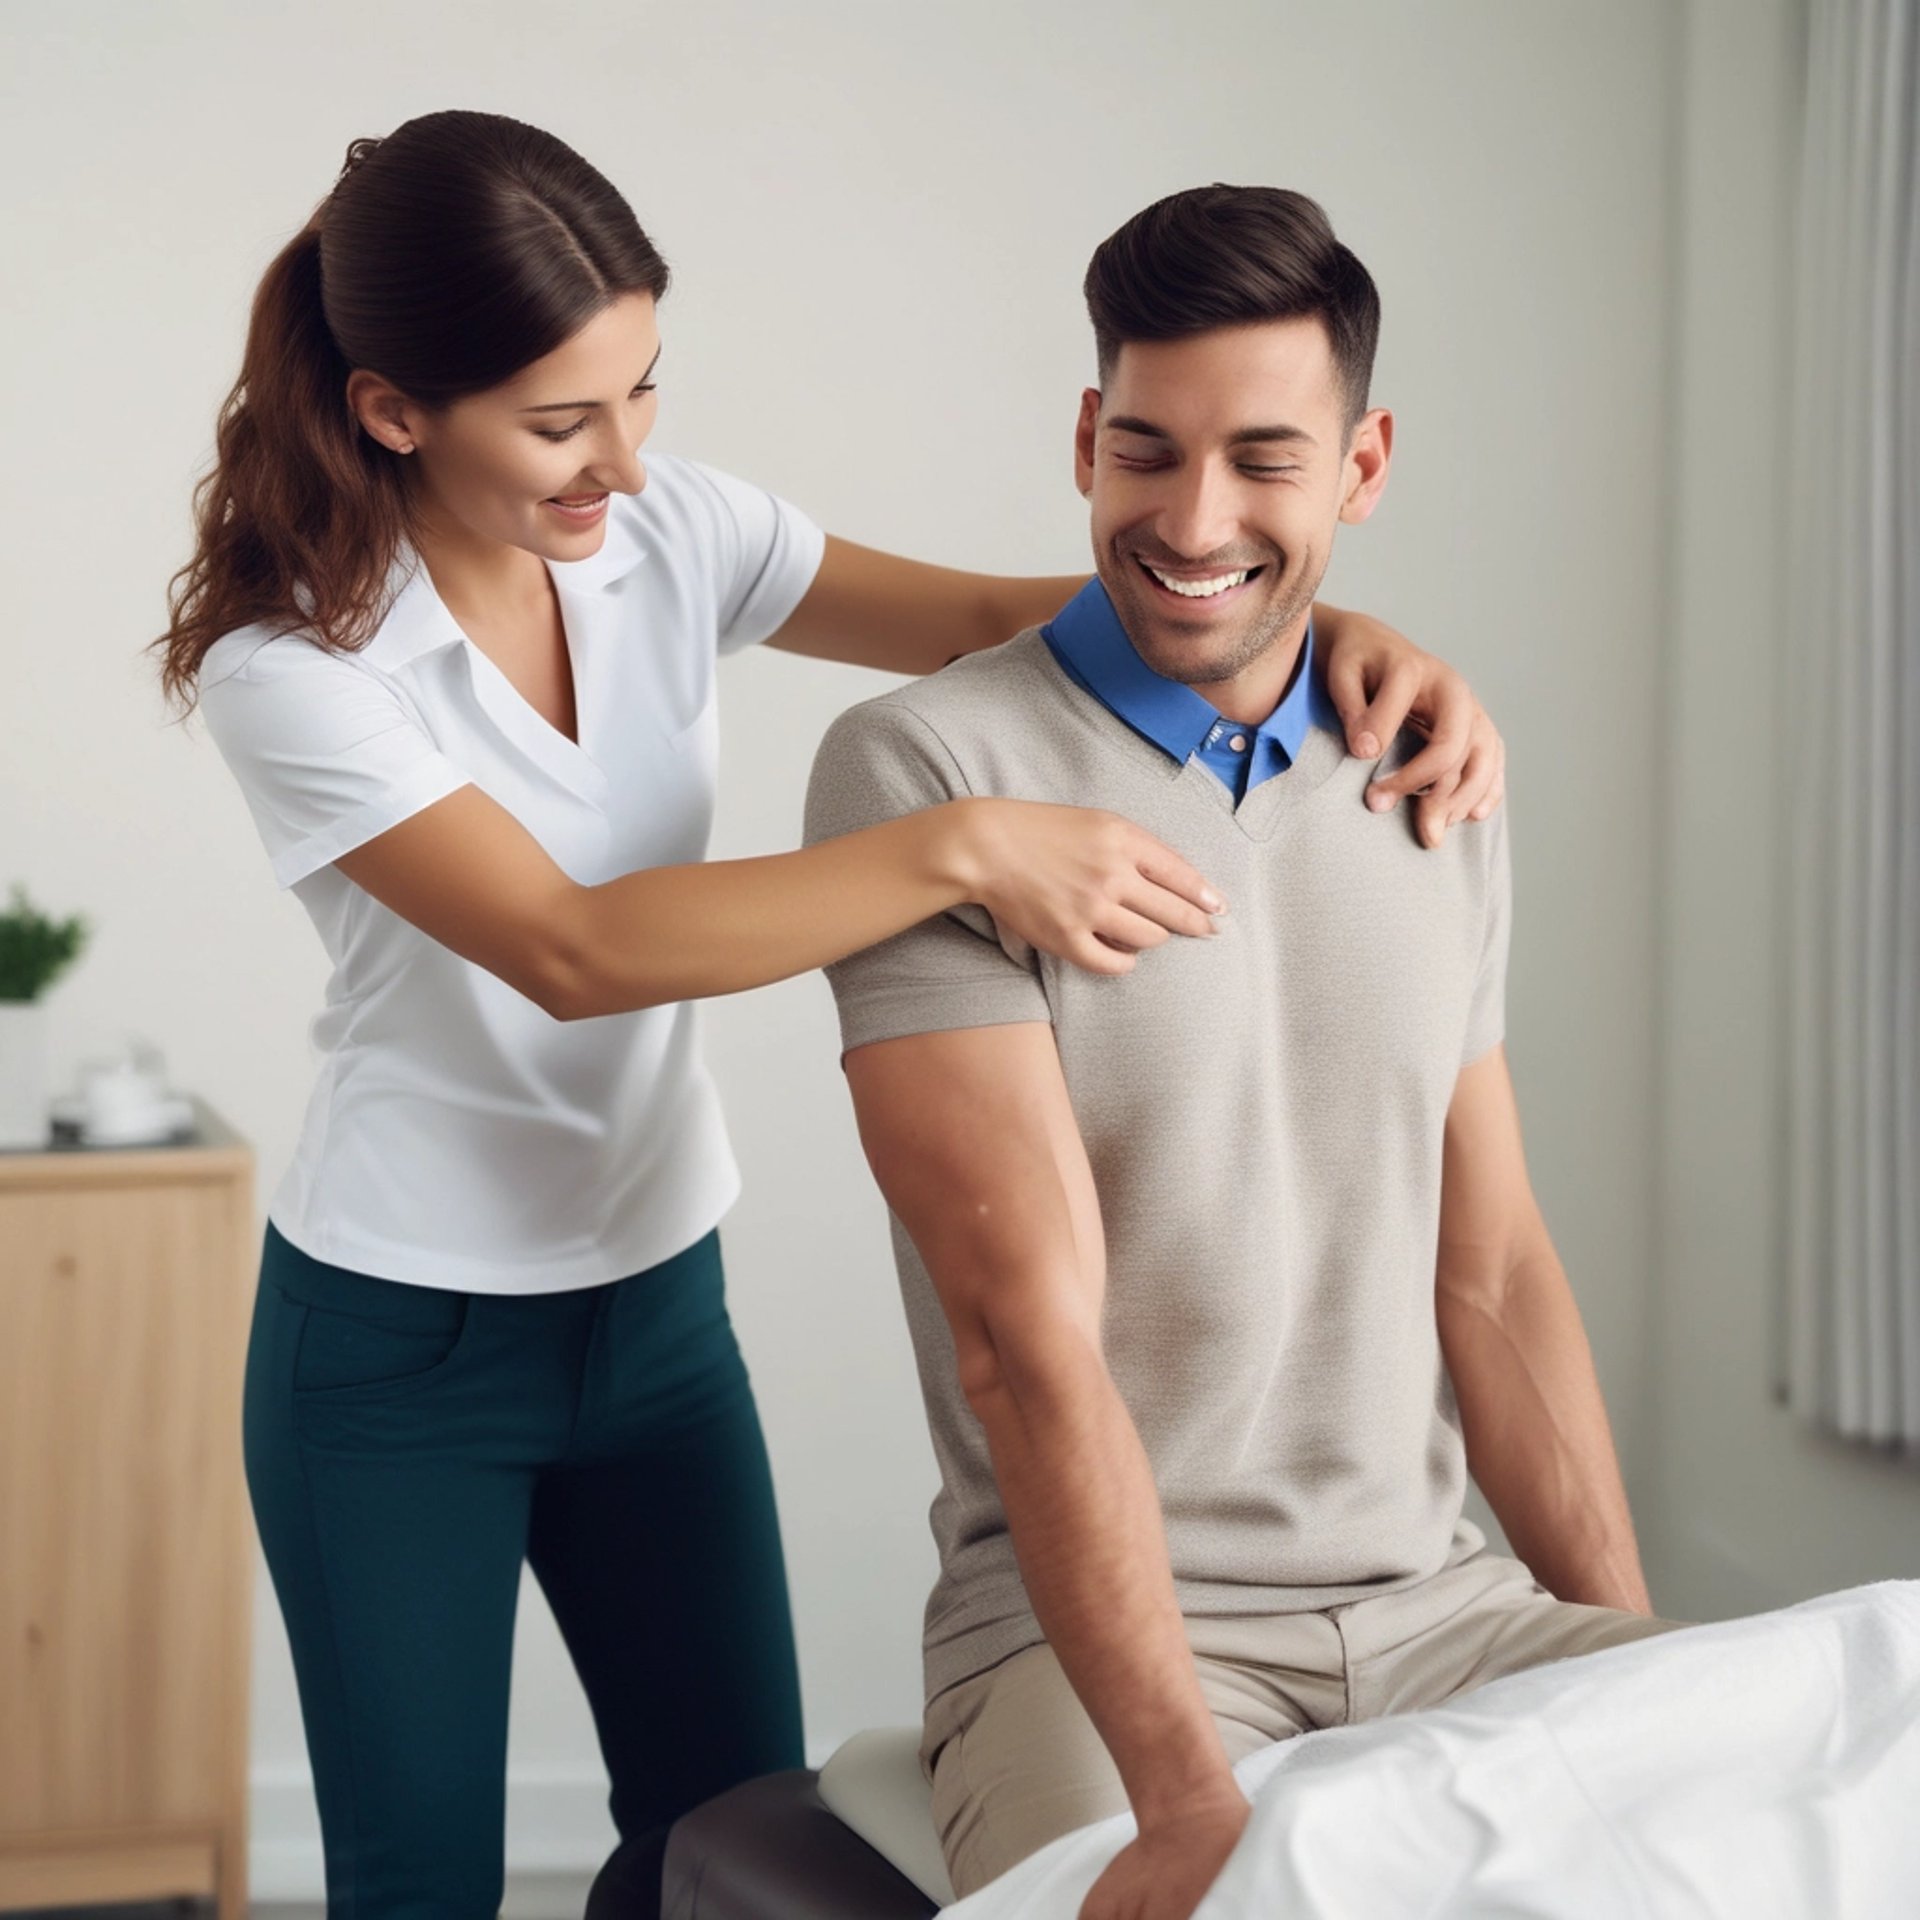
1263,1113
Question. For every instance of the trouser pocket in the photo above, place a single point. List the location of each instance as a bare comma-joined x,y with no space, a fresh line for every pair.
359,1334
344,1353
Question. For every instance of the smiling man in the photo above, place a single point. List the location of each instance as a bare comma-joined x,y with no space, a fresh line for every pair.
1222,1272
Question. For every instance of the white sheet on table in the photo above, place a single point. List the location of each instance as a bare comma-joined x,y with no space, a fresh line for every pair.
1758,1769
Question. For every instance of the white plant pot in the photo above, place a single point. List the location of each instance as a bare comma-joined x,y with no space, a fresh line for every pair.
25,1099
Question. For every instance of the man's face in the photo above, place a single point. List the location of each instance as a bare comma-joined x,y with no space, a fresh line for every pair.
1218,467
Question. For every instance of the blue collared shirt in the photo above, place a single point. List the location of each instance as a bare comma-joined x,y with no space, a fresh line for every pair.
1093,650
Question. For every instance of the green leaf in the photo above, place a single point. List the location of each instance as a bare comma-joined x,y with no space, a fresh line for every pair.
34,950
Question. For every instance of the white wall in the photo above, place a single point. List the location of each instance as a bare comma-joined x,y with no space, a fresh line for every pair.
878,218
1746,1508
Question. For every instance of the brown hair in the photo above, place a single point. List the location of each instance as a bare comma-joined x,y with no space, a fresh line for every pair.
1223,256
448,256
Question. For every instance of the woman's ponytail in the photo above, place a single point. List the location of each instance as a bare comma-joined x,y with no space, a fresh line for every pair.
295,522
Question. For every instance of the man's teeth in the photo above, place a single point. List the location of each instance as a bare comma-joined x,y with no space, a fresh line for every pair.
1198,589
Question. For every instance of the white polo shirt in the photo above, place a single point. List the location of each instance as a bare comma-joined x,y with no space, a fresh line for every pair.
457,1135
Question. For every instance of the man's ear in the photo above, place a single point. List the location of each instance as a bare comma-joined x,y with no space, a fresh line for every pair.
1083,436
1364,475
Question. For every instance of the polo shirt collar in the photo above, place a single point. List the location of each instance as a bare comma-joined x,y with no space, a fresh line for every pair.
418,621
1087,637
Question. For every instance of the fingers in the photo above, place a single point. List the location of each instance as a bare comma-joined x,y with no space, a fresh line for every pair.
1374,723
1495,796
1440,759
1445,703
1090,953
1474,793
1347,689
1167,910
1478,775
1498,797
1166,869
1152,895
1128,929
1430,819
1131,932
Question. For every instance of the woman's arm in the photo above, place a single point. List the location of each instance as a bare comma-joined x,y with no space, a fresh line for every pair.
874,609
1085,885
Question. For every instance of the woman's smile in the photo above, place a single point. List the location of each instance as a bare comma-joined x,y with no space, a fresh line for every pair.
582,509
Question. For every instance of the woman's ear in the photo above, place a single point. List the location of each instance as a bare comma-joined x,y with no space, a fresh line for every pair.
382,410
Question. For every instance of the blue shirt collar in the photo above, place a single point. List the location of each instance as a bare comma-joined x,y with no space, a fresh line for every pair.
1090,643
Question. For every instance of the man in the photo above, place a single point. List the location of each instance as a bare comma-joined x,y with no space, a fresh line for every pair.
1222,1271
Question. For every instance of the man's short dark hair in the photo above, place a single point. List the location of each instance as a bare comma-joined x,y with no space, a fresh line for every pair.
1225,256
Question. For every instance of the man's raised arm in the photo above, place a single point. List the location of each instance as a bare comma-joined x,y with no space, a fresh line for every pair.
972,1139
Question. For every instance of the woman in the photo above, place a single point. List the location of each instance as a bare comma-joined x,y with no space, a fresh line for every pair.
457,646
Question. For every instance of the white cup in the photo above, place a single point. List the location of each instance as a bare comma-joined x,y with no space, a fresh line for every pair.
121,1099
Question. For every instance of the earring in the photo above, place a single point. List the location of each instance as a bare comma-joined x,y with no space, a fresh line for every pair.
408,448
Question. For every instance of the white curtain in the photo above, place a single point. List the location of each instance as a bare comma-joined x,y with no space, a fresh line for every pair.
1851,735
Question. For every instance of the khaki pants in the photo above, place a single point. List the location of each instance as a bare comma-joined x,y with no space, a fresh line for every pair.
1015,1762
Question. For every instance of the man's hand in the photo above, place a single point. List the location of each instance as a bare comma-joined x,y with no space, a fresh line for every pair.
1165,1873
1380,681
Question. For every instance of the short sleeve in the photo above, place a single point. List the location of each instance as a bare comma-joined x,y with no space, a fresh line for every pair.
1487,1017
877,762
327,753
765,553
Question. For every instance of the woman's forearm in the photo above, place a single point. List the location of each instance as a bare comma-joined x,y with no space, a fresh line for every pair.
722,926
1085,885
875,609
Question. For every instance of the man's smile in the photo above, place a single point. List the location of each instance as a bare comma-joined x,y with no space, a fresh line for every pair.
1186,588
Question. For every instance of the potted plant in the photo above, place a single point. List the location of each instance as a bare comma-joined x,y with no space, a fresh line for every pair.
34,952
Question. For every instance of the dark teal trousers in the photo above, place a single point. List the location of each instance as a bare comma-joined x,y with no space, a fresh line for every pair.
407,1447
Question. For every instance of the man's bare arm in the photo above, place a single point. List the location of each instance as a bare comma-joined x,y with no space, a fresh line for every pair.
1538,1442
973,1141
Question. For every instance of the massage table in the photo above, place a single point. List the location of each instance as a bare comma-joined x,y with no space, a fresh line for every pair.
1765,1768
854,1841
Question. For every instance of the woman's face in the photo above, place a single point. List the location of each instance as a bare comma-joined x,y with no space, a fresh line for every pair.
504,465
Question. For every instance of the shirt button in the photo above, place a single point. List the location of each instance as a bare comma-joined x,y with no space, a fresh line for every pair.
1238,743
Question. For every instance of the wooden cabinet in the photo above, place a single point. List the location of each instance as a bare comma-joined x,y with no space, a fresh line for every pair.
126,1543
